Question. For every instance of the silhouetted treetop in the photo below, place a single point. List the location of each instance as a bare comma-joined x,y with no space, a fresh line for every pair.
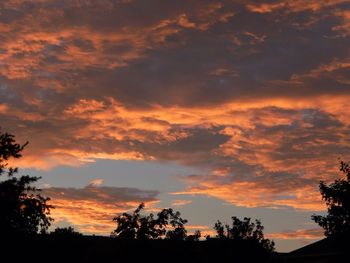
337,198
65,232
166,223
195,236
244,230
22,209
9,149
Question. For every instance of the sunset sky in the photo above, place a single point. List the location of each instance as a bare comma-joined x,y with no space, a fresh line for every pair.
215,108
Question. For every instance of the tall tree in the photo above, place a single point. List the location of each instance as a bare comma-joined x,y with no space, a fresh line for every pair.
244,230
22,209
337,198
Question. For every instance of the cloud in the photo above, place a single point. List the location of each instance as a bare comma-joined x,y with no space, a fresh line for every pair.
92,208
312,233
272,164
254,94
3,108
96,182
292,5
181,202
279,192
205,230
110,43
255,148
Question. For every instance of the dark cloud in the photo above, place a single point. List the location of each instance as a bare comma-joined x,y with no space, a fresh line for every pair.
311,233
102,194
174,63
249,91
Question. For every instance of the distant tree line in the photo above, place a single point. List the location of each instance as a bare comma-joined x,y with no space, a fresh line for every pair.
25,211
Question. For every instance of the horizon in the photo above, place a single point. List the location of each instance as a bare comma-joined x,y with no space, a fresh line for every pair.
214,108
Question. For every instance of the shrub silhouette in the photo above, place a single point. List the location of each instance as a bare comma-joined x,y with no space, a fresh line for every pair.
244,230
65,232
337,198
22,209
195,237
137,226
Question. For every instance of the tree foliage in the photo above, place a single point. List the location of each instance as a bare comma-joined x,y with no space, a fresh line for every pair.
195,236
166,223
178,231
337,198
65,232
244,230
23,209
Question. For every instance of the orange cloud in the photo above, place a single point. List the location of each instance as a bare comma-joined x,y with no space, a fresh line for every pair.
252,194
293,5
91,209
3,108
344,27
265,8
96,182
313,233
181,202
217,86
205,230
254,148
34,50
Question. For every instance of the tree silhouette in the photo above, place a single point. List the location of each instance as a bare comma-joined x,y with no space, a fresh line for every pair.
65,232
337,198
22,209
137,226
195,237
178,224
244,230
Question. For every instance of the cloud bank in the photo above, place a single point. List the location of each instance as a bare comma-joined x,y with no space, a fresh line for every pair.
92,208
254,93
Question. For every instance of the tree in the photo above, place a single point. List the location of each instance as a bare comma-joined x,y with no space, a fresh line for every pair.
195,237
23,209
337,198
137,226
244,230
179,231
65,232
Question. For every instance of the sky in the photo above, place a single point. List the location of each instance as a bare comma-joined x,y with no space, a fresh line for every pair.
215,108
